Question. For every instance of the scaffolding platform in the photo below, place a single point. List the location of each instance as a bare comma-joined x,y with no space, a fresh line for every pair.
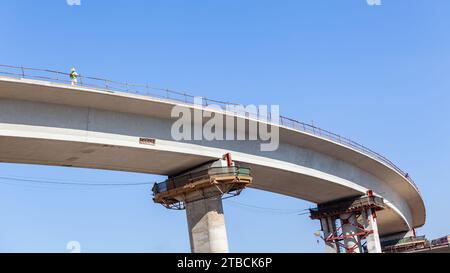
347,205
228,181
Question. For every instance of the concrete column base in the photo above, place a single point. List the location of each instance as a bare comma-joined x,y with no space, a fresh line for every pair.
206,223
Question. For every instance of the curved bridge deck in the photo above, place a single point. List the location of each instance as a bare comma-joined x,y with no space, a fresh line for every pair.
50,123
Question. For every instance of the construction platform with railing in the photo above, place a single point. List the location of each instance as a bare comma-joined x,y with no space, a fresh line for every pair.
348,205
225,181
417,244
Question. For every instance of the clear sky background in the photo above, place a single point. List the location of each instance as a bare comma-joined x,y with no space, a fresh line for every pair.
377,74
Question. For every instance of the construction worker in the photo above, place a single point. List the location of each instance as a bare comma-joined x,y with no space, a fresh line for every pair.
73,76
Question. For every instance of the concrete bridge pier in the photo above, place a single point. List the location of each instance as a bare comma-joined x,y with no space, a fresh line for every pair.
200,191
329,228
206,222
373,239
358,223
351,240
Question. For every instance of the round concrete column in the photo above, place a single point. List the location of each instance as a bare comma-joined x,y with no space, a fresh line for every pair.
349,222
206,223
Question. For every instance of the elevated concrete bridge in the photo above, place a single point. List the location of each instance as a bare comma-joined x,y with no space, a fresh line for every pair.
48,123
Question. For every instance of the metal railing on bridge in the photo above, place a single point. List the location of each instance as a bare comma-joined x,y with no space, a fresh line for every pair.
168,94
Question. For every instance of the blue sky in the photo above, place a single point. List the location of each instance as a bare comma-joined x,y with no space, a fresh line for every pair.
377,74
